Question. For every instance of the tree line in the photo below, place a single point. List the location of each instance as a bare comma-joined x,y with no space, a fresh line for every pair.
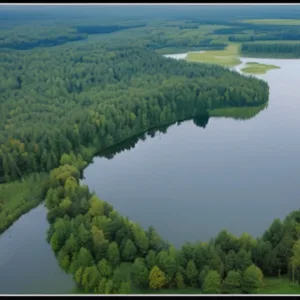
87,97
282,36
282,50
65,99
107,253
28,37
49,34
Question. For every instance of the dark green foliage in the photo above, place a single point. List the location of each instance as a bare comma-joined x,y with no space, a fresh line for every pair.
204,271
151,259
31,37
272,50
92,97
242,260
191,273
105,28
129,251
60,105
113,254
140,273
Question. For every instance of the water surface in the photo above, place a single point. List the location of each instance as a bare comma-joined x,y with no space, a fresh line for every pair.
193,181
27,263
189,181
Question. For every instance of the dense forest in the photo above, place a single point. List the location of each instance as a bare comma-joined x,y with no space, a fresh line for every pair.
153,36
27,37
107,253
247,32
87,98
273,36
283,50
61,103
49,35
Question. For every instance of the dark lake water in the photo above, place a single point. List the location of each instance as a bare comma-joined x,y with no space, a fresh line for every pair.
189,182
27,263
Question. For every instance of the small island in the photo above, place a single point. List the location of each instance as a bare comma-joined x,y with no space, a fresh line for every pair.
257,68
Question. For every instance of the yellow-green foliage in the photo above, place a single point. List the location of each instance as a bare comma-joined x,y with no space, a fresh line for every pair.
257,68
227,57
157,278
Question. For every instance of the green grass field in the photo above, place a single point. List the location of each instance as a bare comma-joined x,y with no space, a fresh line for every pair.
279,286
274,21
17,198
12,194
257,68
227,57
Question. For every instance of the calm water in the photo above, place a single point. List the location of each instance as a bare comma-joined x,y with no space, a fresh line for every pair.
27,263
189,182
192,181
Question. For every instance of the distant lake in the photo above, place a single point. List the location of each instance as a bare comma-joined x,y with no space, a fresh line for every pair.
191,182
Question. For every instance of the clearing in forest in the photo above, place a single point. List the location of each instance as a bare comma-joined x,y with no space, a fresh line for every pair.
229,57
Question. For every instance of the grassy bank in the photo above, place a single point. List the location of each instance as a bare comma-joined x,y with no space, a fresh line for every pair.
279,286
257,68
18,197
238,113
227,57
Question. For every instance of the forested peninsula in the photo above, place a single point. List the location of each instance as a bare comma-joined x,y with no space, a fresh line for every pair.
88,98
107,253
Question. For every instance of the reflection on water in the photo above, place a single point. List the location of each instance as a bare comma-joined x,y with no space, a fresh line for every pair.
244,113
239,113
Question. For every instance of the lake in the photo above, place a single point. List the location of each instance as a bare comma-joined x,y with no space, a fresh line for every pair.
27,263
191,182
188,181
